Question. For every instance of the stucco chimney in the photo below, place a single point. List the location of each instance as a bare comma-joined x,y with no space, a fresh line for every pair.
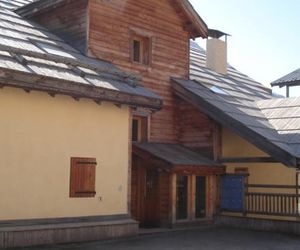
216,51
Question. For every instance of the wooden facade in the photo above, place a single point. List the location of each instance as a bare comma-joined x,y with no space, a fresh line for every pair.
104,29
69,21
165,30
112,26
196,130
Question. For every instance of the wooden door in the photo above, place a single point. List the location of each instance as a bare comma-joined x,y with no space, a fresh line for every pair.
151,218
200,197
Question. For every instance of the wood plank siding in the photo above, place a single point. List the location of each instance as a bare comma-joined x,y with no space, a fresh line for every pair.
196,130
111,24
68,21
104,30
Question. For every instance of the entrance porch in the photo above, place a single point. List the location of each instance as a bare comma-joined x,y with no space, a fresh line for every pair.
172,186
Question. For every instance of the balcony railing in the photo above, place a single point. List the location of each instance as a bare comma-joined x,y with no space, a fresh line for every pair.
272,203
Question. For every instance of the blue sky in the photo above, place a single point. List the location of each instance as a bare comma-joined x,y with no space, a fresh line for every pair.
265,42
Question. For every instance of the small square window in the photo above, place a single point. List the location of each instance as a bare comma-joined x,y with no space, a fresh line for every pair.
82,177
140,49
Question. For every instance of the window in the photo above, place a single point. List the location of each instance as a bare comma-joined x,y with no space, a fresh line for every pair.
139,129
218,90
135,130
82,177
140,49
244,171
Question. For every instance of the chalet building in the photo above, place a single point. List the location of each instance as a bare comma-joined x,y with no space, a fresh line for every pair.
125,122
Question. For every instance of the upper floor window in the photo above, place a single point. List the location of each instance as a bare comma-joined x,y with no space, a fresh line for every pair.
140,49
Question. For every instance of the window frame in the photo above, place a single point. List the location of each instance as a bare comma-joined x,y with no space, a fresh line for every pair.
143,127
145,49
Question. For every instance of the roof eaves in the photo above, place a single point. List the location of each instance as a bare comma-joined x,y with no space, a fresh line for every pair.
53,86
290,79
199,25
227,121
285,83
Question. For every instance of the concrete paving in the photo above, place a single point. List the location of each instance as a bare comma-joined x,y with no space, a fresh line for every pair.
208,239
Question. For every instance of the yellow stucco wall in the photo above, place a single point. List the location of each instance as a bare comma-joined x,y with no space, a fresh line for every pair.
39,134
259,173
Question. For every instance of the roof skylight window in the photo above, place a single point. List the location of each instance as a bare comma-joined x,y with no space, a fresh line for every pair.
54,50
218,90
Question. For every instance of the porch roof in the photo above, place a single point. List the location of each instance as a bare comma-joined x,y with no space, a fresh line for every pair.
173,154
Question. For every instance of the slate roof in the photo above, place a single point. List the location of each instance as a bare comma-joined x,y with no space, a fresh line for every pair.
288,80
34,59
284,116
175,154
233,101
14,4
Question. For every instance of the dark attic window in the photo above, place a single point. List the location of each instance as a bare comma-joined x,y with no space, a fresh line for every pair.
140,47
83,177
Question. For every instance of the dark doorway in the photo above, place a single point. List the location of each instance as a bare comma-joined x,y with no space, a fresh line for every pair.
200,197
151,199
182,197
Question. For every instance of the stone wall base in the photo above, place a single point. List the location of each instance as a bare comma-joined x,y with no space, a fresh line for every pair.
291,227
46,232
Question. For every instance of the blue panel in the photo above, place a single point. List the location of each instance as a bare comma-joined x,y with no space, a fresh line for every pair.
232,193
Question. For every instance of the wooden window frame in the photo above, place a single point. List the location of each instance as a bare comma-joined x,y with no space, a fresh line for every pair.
79,187
145,50
142,128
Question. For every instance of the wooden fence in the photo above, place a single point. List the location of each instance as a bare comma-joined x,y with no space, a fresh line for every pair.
272,203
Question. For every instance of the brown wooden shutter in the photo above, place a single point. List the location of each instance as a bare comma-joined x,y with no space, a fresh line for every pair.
83,177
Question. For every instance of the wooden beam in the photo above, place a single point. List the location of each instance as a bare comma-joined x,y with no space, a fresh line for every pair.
51,94
50,85
199,170
76,98
173,198
248,160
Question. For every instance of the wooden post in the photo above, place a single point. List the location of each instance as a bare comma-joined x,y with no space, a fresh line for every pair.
297,192
129,163
192,197
245,195
173,185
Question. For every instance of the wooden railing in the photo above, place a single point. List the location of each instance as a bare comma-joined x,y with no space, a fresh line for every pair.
276,204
